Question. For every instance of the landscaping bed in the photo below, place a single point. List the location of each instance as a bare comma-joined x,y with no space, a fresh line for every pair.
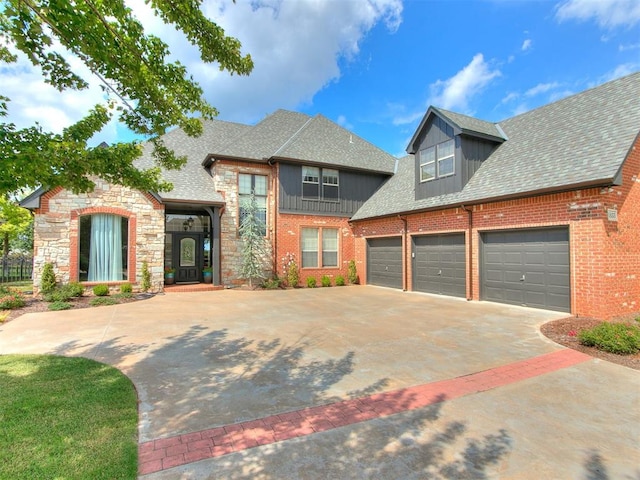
565,332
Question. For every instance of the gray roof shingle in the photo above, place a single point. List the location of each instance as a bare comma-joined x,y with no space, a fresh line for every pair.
192,182
578,141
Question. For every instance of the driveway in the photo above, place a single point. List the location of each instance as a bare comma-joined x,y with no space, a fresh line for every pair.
201,361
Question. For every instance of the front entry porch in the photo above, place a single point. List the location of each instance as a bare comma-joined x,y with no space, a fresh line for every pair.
192,247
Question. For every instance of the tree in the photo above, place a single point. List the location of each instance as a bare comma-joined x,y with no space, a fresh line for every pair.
147,92
14,221
254,250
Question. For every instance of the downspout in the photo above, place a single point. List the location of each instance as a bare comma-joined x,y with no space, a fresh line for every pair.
274,233
470,262
404,253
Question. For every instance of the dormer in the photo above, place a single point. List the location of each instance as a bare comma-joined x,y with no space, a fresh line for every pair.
448,149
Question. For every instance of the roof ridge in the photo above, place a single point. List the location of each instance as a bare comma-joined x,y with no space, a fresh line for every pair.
290,140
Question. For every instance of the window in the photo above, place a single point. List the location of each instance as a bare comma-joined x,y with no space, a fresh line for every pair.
312,257
103,248
437,161
310,182
330,184
257,185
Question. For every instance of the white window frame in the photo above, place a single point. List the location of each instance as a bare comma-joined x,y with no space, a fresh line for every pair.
437,160
423,163
320,247
452,156
331,179
243,196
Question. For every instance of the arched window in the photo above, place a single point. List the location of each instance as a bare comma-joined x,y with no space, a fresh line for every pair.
103,248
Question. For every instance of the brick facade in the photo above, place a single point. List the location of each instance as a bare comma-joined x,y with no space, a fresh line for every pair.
604,254
56,230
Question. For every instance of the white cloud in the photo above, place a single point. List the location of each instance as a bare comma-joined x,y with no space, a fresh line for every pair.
526,45
625,48
297,48
541,88
455,92
343,122
510,97
620,71
608,14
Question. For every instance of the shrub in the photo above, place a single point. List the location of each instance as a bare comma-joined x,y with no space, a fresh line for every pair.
325,281
352,273
311,282
101,290
122,295
59,306
76,289
98,301
48,280
145,284
619,338
340,281
11,300
272,283
293,275
3,316
126,288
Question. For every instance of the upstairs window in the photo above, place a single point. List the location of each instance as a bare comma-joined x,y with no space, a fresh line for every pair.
256,184
437,161
313,189
310,182
330,184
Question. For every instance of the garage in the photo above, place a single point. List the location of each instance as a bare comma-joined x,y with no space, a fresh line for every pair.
384,262
439,264
527,267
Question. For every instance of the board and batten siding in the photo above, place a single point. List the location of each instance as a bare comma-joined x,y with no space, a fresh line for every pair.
470,152
354,189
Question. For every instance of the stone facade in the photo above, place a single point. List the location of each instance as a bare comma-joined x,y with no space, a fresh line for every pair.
56,230
225,175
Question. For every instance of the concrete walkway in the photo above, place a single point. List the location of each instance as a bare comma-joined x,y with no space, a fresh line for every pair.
229,362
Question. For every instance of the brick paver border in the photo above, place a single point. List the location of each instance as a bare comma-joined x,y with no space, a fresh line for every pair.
164,453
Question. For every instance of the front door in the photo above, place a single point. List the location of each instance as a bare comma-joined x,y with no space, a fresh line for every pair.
187,257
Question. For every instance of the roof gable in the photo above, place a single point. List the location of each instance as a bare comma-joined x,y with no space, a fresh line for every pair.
462,124
323,142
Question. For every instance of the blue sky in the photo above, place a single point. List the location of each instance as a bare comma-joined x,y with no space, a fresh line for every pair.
374,66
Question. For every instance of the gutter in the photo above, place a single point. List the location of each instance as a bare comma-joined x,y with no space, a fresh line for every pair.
404,253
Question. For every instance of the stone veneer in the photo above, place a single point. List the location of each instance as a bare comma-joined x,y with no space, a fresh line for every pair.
225,175
56,230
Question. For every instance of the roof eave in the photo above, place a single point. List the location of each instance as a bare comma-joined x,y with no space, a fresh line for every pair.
499,198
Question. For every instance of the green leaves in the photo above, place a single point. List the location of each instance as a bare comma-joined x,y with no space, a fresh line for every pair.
153,94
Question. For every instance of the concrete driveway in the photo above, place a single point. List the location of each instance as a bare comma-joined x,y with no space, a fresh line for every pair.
207,362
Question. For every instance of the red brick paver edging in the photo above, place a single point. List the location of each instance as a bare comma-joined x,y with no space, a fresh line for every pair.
164,453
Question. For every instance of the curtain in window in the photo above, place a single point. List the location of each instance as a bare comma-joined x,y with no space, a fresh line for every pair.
105,253
329,247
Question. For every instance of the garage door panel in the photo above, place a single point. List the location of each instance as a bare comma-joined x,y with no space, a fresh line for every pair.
384,262
541,256
439,264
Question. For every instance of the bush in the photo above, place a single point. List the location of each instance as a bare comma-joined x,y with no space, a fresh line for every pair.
99,301
325,281
272,283
145,284
48,280
11,300
126,288
340,281
311,282
101,290
122,295
293,275
619,338
352,273
64,292
59,306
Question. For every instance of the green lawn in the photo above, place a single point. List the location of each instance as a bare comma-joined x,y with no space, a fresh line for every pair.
66,418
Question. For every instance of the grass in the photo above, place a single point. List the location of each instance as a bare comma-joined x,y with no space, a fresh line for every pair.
23,286
66,418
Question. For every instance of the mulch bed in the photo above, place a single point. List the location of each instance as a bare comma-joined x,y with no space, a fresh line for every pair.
563,331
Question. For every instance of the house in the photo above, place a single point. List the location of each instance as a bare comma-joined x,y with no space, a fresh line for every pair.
541,210
308,175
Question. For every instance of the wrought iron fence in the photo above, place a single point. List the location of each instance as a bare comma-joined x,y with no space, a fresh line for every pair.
16,268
